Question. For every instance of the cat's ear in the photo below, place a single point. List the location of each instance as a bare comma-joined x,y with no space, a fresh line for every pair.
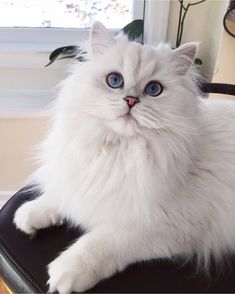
184,56
100,38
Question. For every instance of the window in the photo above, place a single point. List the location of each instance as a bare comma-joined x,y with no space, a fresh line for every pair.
65,13
31,29
47,24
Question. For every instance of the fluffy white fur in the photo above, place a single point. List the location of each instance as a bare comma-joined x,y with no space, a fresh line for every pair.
157,184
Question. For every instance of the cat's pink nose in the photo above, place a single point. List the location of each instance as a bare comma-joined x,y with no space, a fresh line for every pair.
131,101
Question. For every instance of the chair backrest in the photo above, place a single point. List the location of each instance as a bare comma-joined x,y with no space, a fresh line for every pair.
219,88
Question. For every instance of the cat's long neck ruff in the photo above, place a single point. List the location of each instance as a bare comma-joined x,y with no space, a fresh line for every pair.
173,155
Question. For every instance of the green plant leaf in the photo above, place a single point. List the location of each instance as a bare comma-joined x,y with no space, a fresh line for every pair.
134,29
67,52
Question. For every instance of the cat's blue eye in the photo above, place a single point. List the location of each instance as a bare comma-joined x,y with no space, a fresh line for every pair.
115,80
153,88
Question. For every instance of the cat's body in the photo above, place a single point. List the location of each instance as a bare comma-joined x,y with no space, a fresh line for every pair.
158,184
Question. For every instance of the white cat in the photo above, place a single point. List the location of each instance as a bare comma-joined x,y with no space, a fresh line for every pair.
136,158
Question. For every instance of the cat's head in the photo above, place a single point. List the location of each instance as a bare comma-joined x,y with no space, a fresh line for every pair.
130,88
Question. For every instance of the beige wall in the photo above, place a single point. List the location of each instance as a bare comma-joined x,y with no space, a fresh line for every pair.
225,65
203,23
17,138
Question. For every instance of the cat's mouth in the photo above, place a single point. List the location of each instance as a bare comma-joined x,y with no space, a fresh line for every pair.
128,117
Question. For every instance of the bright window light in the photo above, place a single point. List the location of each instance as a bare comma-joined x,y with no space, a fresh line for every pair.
65,13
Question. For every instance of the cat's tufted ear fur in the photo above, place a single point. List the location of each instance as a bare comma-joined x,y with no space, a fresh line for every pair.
100,38
184,56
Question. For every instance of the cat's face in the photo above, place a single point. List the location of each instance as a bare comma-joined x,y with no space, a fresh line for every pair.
130,88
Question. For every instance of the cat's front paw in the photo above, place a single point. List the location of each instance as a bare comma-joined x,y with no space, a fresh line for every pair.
34,215
69,273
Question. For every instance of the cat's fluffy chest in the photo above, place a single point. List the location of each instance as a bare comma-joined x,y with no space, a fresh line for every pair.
110,182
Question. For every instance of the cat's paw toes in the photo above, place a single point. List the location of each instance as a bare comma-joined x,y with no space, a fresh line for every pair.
68,274
35,215
23,221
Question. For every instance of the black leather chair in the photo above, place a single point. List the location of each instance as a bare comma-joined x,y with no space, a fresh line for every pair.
24,260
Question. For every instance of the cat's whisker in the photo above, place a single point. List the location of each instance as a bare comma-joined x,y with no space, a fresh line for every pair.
178,128
160,127
182,128
173,115
171,112
169,139
173,122
179,147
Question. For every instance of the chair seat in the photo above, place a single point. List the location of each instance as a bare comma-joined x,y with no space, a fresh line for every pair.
24,262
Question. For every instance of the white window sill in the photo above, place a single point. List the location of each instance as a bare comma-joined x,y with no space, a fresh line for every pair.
41,39
31,103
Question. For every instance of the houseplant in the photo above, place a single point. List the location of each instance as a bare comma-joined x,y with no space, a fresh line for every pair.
134,30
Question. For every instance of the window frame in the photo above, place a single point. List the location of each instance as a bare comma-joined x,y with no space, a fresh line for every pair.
38,39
